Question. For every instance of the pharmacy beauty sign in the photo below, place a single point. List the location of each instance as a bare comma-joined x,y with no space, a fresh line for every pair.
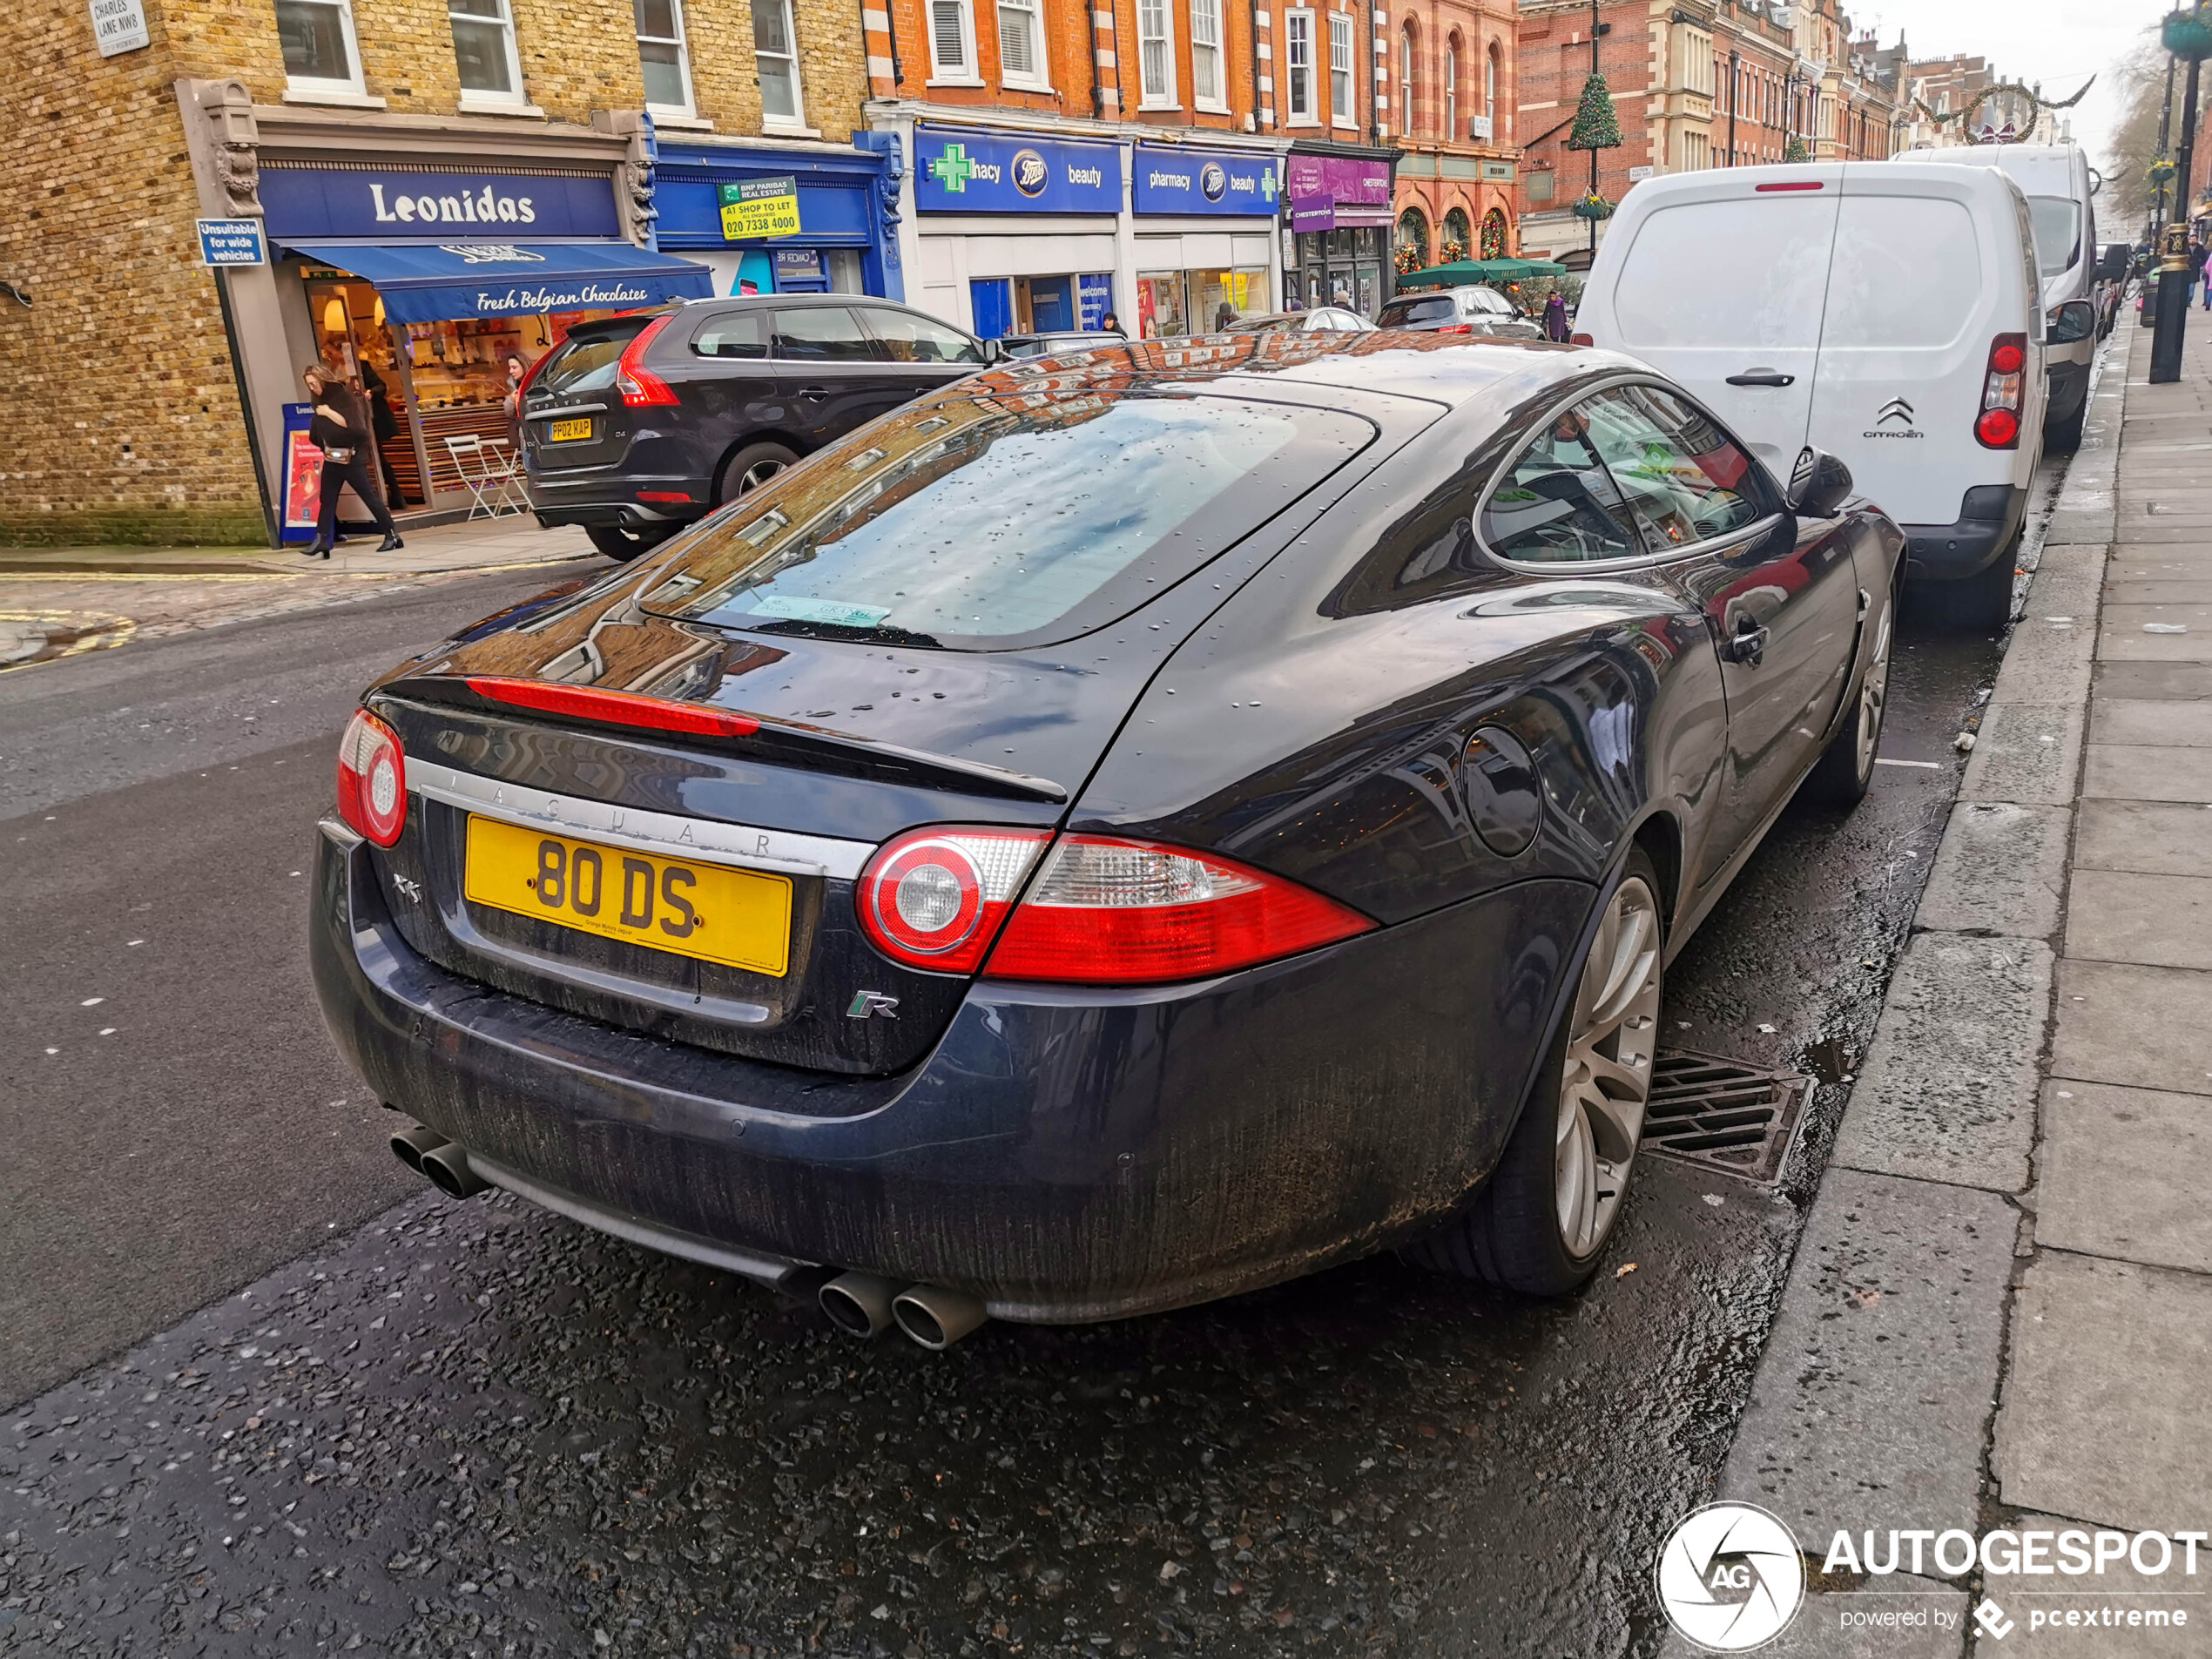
437,206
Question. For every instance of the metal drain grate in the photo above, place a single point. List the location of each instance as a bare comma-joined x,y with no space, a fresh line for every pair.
1723,1115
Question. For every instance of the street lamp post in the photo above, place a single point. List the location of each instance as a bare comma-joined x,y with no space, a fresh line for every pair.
1734,57
2187,34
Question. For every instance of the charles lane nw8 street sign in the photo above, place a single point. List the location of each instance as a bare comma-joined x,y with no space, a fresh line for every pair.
119,26
755,207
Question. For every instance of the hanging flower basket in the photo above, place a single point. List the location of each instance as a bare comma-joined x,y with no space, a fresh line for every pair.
2161,173
2189,33
1593,207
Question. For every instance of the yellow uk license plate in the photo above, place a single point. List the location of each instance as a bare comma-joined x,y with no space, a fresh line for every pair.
566,431
738,918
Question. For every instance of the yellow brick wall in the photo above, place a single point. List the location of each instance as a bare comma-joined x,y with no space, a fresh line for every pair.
119,416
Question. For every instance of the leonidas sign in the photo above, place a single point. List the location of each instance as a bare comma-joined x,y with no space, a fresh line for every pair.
757,208
582,296
381,204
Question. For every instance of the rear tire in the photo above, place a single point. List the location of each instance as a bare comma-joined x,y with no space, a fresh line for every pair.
621,543
749,468
2065,437
1981,604
1542,1221
1845,771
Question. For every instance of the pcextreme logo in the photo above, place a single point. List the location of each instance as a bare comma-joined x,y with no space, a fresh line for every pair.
1731,1577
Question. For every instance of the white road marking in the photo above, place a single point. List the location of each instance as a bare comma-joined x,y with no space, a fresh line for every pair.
1931,765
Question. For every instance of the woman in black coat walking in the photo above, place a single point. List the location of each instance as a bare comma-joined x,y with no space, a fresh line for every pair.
341,429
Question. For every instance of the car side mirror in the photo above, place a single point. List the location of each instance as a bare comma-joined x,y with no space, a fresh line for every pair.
1819,483
992,351
2073,321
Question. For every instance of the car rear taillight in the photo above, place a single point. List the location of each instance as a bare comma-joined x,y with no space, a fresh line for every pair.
1580,340
935,898
1105,911
1456,328
1998,425
640,387
372,778
613,708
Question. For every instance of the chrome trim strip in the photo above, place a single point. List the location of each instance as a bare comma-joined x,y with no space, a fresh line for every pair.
771,1271
705,841
692,1004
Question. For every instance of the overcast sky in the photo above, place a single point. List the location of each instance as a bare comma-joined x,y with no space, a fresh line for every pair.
2058,42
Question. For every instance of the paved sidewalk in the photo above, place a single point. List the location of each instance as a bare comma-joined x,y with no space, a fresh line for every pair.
481,545
2000,1314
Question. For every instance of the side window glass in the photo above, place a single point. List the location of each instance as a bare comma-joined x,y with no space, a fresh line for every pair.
1681,479
1557,504
910,339
741,333
823,334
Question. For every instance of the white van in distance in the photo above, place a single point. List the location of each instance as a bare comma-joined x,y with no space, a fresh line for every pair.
2055,180
1887,311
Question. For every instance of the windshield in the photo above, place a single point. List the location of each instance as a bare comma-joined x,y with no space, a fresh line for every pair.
2058,233
994,521
1429,308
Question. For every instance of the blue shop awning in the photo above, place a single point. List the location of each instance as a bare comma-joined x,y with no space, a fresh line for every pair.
443,281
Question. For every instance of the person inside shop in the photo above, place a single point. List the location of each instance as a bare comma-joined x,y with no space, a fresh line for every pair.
516,373
341,429
384,425
1110,323
1224,315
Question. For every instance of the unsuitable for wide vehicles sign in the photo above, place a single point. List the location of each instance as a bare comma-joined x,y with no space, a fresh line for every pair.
757,208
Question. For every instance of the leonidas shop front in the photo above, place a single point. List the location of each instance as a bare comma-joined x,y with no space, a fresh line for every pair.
417,277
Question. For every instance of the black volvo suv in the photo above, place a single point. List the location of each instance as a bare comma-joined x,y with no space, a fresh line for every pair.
635,426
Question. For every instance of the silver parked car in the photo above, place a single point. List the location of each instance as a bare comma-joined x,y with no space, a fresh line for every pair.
1470,310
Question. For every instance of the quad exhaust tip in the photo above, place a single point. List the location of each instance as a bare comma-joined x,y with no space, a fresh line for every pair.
864,1306
444,1164
936,1318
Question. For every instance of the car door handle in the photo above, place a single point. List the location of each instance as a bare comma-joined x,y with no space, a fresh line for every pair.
1748,644
813,391
1762,377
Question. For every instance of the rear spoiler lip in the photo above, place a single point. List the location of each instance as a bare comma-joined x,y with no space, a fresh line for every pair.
796,736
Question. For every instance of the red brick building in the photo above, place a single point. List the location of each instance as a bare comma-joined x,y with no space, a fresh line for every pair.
1452,63
1697,84
1182,119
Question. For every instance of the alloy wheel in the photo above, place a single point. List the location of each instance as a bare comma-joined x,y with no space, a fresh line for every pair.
1607,1082
1873,694
757,474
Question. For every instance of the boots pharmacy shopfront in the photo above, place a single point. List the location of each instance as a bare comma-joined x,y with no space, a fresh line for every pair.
414,258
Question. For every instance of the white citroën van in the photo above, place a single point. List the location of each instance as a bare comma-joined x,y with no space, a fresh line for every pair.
1887,311
2055,180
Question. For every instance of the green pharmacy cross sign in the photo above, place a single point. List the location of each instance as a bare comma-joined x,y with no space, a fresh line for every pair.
953,169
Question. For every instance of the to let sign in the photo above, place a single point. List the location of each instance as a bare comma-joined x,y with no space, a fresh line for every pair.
231,241
757,208
119,26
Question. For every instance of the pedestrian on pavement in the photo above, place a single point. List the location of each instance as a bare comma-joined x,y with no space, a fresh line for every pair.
383,424
2196,266
1555,325
340,428
517,372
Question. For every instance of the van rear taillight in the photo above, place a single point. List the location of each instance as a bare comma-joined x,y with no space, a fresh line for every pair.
1998,425
1799,184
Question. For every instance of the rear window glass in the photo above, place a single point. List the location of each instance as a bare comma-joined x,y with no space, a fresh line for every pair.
986,523
739,333
1773,249
1907,273
1435,307
2058,233
585,365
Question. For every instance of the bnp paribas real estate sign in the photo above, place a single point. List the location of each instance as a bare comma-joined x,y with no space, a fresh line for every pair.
757,208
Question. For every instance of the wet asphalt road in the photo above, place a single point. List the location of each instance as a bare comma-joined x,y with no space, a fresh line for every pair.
474,1429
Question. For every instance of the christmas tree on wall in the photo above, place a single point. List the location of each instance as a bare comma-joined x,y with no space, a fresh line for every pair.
1597,125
